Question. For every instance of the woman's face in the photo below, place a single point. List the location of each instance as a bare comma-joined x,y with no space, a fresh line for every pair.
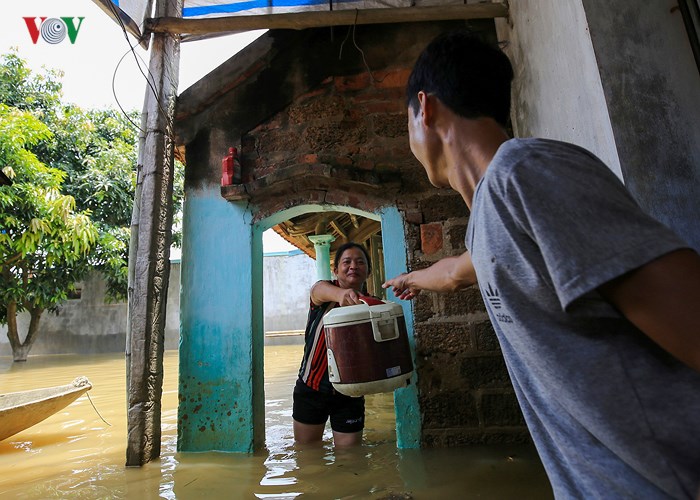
352,269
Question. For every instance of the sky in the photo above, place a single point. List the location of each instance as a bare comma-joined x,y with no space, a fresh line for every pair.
99,69
92,63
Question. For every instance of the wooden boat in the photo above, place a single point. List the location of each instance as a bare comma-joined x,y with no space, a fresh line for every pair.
21,410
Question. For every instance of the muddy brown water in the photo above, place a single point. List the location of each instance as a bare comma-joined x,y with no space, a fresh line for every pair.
75,454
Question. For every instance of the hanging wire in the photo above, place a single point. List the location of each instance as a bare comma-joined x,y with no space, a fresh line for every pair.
354,42
114,93
149,78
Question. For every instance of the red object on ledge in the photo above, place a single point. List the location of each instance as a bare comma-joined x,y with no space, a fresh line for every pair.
231,168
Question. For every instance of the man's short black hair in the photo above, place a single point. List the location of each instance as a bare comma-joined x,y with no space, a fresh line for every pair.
469,75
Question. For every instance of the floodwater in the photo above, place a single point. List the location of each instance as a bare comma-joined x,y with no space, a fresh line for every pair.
77,454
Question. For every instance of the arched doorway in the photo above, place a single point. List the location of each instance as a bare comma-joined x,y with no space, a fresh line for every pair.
388,254
221,388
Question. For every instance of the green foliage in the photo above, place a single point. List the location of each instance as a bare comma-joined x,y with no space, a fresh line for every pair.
44,241
20,89
88,156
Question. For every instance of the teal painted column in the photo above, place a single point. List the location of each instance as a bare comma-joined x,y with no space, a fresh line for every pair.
408,429
217,366
322,246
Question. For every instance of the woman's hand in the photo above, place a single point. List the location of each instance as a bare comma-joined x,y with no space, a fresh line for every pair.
325,291
348,297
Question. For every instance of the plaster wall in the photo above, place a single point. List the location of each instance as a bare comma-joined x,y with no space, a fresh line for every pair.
557,91
220,393
89,325
287,280
652,87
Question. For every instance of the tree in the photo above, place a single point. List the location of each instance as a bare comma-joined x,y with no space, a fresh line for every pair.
92,157
74,177
95,149
44,240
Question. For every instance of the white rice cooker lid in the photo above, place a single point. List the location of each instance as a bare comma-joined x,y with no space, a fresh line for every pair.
361,313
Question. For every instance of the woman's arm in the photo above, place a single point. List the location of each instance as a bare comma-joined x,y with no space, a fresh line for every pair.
325,291
446,275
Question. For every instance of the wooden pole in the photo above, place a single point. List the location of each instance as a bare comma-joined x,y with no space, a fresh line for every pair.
317,19
149,251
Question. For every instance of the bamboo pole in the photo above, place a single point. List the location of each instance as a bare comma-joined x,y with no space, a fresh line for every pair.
149,251
316,19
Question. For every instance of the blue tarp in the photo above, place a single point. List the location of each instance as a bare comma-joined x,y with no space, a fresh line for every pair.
131,14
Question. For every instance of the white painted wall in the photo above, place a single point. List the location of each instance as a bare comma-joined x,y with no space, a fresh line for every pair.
287,280
617,77
652,87
88,325
557,91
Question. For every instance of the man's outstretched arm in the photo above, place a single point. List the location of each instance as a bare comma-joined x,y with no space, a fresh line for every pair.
446,275
662,299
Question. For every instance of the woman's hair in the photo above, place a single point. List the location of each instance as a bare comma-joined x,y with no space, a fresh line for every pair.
346,246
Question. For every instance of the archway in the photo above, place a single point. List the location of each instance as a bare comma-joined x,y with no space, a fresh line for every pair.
393,262
221,389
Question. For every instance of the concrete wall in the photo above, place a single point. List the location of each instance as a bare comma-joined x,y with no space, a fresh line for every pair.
619,79
652,87
557,92
287,280
88,325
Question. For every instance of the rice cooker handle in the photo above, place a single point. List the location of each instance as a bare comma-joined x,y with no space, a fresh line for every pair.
371,301
384,327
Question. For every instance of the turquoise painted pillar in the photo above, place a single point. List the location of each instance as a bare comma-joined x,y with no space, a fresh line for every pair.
218,367
322,246
408,429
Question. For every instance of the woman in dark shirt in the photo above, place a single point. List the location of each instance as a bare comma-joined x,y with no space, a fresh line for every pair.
315,400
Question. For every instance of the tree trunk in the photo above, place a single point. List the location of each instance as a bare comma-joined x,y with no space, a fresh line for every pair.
20,350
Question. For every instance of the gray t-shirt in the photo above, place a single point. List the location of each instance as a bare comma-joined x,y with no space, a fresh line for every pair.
612,414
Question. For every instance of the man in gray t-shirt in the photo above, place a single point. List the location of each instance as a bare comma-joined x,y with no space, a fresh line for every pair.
592,300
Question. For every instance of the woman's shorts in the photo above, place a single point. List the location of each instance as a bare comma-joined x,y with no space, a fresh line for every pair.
313,407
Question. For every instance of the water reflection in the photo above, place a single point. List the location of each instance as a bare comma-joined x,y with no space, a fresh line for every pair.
76,454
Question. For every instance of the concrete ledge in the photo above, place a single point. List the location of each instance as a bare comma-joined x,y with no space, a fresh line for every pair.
284,337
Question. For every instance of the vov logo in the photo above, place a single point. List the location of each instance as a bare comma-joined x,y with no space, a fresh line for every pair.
53,30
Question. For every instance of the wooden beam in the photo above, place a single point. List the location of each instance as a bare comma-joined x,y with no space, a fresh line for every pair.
338,228
316,19
367,228
149,251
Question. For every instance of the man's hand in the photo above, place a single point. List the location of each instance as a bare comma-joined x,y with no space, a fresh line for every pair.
446,275
401,287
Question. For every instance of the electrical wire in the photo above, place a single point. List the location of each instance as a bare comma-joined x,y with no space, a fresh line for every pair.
149,79
354,42
116,99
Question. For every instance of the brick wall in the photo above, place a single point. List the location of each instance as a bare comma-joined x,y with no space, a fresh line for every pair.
465,393
348,123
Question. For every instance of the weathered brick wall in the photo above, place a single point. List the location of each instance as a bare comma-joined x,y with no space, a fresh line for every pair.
325,146
353,122
465,393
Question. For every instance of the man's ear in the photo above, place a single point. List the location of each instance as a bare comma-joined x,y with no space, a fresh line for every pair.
427,108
